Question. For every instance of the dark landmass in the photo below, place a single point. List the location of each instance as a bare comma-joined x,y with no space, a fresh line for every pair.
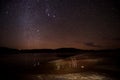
5,50
60,52
37,51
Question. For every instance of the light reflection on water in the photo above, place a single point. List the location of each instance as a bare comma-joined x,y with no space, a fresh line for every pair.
74,76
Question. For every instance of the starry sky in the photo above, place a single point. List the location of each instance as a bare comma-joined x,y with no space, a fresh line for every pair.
38,24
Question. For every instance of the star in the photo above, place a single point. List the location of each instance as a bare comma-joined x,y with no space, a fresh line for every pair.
54,16
48,14
38,30
39,23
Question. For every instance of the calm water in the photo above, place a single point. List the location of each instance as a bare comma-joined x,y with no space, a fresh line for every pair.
51,67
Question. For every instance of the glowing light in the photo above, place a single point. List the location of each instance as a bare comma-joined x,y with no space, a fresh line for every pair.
82,66
76,76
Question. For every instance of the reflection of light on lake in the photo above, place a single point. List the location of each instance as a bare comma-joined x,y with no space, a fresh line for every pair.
82,66
74,76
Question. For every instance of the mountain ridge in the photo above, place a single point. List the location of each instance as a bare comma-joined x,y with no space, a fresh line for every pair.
58,50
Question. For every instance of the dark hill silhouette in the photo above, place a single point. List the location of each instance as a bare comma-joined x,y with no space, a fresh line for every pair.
5,50
60,51
67,50
37,51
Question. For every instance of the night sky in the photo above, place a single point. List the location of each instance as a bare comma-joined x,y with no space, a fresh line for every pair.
38,24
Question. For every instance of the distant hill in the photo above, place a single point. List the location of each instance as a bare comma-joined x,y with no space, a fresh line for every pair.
5,50
37,51
59,51
67,50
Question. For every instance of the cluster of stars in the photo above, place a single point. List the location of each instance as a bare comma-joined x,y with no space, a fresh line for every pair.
59,20
48,10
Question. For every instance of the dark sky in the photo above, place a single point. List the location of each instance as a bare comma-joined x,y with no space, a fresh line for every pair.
84,24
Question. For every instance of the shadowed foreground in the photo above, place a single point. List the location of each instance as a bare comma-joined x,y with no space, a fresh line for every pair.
87,66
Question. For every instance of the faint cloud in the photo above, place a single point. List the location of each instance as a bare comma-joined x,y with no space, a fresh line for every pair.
91,44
